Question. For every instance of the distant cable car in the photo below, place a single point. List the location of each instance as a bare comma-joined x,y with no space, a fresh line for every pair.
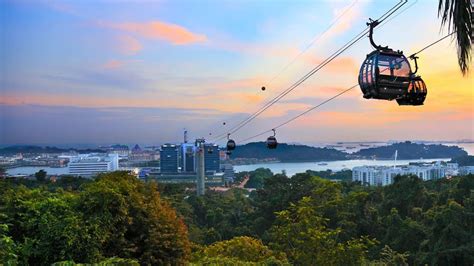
385,73
417,90
272,141
230,143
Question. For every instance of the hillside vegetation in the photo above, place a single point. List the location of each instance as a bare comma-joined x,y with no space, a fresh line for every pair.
303,220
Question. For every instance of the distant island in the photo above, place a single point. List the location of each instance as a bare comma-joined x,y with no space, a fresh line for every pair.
32,149
302,153
288,153
408,151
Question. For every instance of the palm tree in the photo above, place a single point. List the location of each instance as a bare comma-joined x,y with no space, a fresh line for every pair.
458,15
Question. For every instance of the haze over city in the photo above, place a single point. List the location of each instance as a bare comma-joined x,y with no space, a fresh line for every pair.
116,72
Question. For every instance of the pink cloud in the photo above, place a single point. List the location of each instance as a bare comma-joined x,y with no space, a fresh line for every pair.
168,32
128,45
112,64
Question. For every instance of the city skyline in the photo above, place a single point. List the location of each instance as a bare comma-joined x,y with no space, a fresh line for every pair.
103,73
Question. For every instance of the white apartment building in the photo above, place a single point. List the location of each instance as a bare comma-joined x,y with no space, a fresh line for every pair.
384,175
88,165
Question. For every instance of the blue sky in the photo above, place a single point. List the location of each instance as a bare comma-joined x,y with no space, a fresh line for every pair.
140,71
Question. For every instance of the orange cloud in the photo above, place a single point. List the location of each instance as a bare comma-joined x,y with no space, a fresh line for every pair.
171,33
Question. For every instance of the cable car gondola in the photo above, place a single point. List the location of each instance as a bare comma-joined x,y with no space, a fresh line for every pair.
230,143
417,91
385,73
271,141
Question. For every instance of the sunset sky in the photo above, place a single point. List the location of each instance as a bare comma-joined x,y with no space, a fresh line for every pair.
104,72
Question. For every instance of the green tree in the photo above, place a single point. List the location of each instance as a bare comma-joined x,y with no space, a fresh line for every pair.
458,15
221,216
450,241
40,175
47,228
390,257
258,177
240,249
134,221
8,247
115,215
302,233
2,172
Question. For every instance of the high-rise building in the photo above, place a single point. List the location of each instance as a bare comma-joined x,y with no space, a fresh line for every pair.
88,165
229,173
211,158
169,158
188,158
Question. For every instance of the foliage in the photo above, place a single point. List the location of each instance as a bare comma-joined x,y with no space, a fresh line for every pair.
256,177
390,257
115,215
7,247
109,261
240,249
458,15
304,236
40,175
343,175
304,220
219,216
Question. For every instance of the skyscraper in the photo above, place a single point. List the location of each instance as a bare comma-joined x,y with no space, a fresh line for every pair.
211,158
188,158
169,158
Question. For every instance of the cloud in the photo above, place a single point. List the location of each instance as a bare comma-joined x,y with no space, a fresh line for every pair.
172,33
111,64
128,45
346,21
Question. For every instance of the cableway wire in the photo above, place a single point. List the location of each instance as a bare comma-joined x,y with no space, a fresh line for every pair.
333,97
306,48
313,71
314,40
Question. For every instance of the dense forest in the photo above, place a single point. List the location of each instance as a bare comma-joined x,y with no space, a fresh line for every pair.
303,220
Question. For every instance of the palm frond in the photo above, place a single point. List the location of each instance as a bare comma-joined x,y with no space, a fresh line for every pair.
457,14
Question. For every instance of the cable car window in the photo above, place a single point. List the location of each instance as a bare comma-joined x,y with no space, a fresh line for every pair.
393,65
